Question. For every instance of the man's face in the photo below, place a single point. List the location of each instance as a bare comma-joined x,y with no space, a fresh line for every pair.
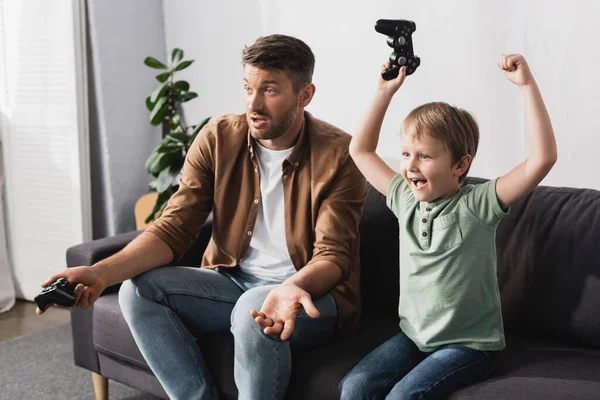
271,103
427,167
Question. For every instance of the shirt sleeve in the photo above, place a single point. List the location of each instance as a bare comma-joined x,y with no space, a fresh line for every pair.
187,210
483,203
339,215
397,193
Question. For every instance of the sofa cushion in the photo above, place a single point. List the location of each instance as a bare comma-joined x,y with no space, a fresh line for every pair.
549,266
379,256
530,369
112,336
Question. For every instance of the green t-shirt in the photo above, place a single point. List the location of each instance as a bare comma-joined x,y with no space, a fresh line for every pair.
448,285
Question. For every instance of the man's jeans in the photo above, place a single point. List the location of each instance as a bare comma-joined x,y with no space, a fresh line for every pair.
400,370
164,304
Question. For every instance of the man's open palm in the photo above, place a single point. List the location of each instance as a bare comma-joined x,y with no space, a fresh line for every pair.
277,316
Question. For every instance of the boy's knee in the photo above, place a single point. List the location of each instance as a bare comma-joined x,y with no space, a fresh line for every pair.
357,386
408,389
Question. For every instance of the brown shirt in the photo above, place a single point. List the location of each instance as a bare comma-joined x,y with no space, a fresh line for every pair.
324,193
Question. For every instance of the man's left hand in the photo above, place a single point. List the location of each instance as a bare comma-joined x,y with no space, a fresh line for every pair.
277,316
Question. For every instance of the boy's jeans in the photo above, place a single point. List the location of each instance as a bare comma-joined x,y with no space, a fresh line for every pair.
399,370
160,305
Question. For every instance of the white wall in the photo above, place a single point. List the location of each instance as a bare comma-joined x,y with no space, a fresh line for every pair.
458,42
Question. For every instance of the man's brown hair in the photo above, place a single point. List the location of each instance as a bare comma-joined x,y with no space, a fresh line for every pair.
283,53
455,127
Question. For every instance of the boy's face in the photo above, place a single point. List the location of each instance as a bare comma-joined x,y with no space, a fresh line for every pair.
272,106
427,167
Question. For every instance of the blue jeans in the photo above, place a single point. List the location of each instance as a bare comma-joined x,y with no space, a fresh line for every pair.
163,305
399,370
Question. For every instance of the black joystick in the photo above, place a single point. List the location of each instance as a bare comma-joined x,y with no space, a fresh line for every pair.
399,33
59,293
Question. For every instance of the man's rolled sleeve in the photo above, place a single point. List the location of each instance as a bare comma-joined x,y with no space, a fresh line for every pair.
338,218
187,210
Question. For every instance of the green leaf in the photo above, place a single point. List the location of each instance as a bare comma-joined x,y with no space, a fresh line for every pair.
149,104
175,120
197,129
204,122
176,56
188,96
178,137
183,65
159,91
151,161
163,77
159,112
154,63
171,147
163,161
184,86
166,178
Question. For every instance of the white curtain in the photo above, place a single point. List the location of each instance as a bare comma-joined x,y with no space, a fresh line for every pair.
7,288
43,106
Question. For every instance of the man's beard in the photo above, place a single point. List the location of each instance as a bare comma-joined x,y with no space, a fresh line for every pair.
277,127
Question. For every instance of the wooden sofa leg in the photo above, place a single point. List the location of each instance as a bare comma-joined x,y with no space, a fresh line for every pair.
100,386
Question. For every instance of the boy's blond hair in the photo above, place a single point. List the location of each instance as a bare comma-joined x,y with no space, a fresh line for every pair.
455,127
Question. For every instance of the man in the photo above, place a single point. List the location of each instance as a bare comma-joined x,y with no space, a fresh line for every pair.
281,269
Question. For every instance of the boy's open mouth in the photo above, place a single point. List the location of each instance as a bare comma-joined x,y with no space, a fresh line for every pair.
418,183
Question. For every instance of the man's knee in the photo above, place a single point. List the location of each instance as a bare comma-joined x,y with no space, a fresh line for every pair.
127,297
133,290
243,326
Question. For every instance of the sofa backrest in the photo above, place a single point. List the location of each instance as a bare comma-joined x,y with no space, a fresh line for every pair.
548,251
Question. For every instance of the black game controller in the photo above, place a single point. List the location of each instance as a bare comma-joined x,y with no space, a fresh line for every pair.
399,33
59,293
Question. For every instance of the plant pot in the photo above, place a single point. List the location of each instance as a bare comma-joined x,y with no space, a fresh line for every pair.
143,207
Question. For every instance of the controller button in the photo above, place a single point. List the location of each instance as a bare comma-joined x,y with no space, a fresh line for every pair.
401,61
401,41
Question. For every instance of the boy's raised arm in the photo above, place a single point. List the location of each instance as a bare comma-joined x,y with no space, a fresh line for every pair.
520,181
364,141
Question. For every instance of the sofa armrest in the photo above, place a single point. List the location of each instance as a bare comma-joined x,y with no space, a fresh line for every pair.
89,253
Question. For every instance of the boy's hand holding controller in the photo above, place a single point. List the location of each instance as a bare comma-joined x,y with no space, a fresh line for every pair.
390,87
88,285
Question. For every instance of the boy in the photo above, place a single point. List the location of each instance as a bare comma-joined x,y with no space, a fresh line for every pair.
449,308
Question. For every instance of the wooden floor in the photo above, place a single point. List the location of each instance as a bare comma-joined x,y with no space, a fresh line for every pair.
22,320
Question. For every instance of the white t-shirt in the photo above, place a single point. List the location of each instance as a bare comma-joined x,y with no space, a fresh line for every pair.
268,257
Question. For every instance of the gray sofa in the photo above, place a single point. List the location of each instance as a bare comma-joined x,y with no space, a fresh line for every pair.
549,274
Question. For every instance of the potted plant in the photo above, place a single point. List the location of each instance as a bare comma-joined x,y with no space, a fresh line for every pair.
166,160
